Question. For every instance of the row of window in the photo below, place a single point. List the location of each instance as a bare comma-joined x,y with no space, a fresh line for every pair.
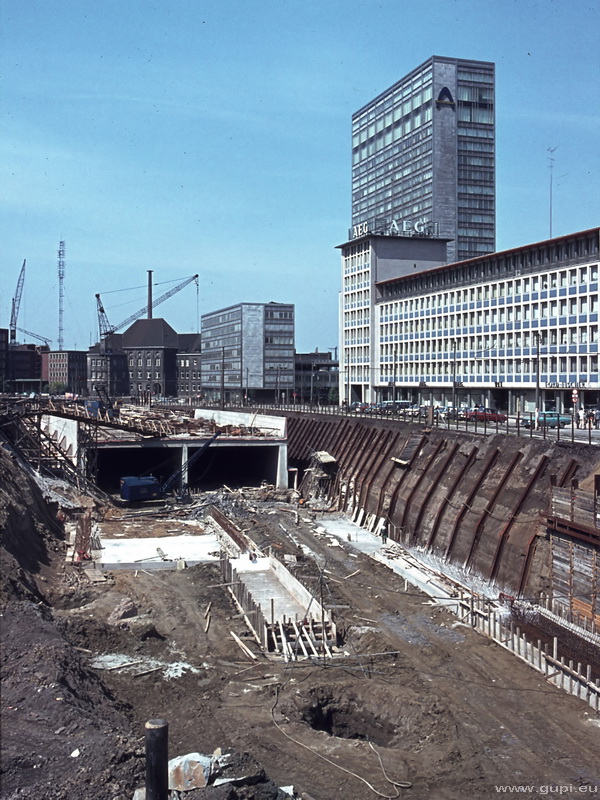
139,374
510,288
574,365
554,311
220,319
499,265
150,362
554,337
410,143
394,160
397,94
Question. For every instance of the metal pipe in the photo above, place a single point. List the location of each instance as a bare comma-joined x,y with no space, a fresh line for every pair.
157,759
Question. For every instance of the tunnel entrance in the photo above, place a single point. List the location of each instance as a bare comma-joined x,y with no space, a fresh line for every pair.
233,466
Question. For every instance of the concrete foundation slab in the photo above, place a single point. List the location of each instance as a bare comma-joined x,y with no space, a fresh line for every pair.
366,542
143,553
266,589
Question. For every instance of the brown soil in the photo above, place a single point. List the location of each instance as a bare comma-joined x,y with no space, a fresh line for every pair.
414,698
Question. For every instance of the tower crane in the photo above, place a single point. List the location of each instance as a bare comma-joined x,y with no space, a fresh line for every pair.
106,328
43,339
16,303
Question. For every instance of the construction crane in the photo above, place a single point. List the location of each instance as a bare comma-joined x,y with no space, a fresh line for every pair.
16,303
106,328
61,279
36,336
103,323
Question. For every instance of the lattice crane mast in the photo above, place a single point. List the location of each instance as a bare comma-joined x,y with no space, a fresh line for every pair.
16,303
106,328
104,325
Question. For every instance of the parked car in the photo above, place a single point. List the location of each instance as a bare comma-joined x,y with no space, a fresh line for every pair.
458,412
485,415
371,408
390,407
548,419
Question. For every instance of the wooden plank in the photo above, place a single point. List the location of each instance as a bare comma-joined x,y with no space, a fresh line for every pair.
242,646
284,642
299,639
309,640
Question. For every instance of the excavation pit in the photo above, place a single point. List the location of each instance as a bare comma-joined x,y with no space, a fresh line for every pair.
346,717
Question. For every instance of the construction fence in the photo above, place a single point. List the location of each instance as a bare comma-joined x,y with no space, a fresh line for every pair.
575,679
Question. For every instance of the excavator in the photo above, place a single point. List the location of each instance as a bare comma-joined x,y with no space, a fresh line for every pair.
150,488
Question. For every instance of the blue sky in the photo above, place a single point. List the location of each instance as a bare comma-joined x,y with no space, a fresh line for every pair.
213,136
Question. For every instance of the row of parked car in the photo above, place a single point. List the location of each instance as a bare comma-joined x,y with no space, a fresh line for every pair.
477,414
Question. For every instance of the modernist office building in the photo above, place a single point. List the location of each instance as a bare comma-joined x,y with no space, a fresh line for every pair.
248,353
514,330
423,157
69,368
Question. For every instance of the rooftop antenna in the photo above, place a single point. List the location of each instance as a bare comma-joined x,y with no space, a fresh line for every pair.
61,279
551,159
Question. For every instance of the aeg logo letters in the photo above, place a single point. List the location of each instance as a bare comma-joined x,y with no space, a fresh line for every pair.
445,98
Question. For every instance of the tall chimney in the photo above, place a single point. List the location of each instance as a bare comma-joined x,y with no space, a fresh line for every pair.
149,294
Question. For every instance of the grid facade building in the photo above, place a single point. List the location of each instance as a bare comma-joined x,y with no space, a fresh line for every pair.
107,367
423,157
189,360
150,346
515,330
248,353
366,262
317,378
69,368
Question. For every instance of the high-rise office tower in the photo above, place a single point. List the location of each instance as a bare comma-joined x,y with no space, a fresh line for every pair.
423,157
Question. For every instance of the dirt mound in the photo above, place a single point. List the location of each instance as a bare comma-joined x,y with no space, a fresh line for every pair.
62,731
65,734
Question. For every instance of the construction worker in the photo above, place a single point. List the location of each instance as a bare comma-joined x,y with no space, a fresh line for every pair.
384,533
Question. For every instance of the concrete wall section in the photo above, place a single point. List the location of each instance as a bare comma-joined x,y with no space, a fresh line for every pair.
64,431
253,354
445,167
273,425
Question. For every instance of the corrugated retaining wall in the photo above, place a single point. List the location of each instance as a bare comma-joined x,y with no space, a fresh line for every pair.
477,501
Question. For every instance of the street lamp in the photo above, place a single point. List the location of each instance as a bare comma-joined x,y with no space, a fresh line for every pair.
222,377
454,374
537,371
394,393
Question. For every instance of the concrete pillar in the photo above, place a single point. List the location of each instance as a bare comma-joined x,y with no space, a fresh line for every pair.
184,458
281,479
